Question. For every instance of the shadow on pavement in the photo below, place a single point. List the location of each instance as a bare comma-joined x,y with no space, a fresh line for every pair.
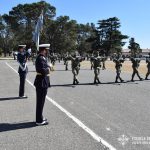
80,84
69,70
134,82
63,85
12,98
62,70
9,127
102,83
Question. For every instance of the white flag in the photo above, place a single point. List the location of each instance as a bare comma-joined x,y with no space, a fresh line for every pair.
38,29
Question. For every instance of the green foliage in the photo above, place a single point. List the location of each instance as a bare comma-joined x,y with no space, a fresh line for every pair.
134,47
1,52
84,32
61,34
22,19
108,37
64,34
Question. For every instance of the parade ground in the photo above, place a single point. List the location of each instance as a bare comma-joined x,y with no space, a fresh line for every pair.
110,115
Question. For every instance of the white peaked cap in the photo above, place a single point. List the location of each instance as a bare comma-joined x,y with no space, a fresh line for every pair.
21,45
44,45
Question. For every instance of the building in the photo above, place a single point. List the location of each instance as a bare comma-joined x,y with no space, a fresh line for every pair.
126,52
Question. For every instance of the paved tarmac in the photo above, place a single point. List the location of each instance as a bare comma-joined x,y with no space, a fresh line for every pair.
79,116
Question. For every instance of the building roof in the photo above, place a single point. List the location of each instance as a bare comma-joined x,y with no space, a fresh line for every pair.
146,50
143,50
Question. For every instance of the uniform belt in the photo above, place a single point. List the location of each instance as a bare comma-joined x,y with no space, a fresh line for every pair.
40,74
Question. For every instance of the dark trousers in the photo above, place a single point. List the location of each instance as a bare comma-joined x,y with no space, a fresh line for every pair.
40,100
22,84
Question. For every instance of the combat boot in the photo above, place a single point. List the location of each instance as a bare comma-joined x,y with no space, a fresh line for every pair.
77,82
99,82
74,83
141,79
122,80
116,80
66,68
95,81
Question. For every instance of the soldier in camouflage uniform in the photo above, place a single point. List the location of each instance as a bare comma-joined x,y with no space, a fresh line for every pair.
135,66
148,67
66,61
118,61
75,64
59,57
53,58
91,60
103,62
97,65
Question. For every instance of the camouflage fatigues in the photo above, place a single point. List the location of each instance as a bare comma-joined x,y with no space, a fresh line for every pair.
135,66
75,64
53,59
96,65
103,62
91,61
66,62
148,68
118,67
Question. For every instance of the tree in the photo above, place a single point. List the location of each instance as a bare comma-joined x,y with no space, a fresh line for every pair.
134,47
84,32
110,37
1,51
62,34
6,37
22,19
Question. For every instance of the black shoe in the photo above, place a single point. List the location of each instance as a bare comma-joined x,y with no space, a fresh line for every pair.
132,80
42,123
122,80
116,81
146,78
141,79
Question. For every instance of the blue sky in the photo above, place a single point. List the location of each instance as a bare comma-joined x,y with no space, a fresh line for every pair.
133,14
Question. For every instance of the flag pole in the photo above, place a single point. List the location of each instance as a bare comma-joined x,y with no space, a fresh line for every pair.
38,42
38,29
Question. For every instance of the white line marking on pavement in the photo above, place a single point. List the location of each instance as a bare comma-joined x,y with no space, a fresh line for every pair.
76,120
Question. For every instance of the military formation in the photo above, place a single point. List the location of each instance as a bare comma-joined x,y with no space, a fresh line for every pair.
43,69
97,62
